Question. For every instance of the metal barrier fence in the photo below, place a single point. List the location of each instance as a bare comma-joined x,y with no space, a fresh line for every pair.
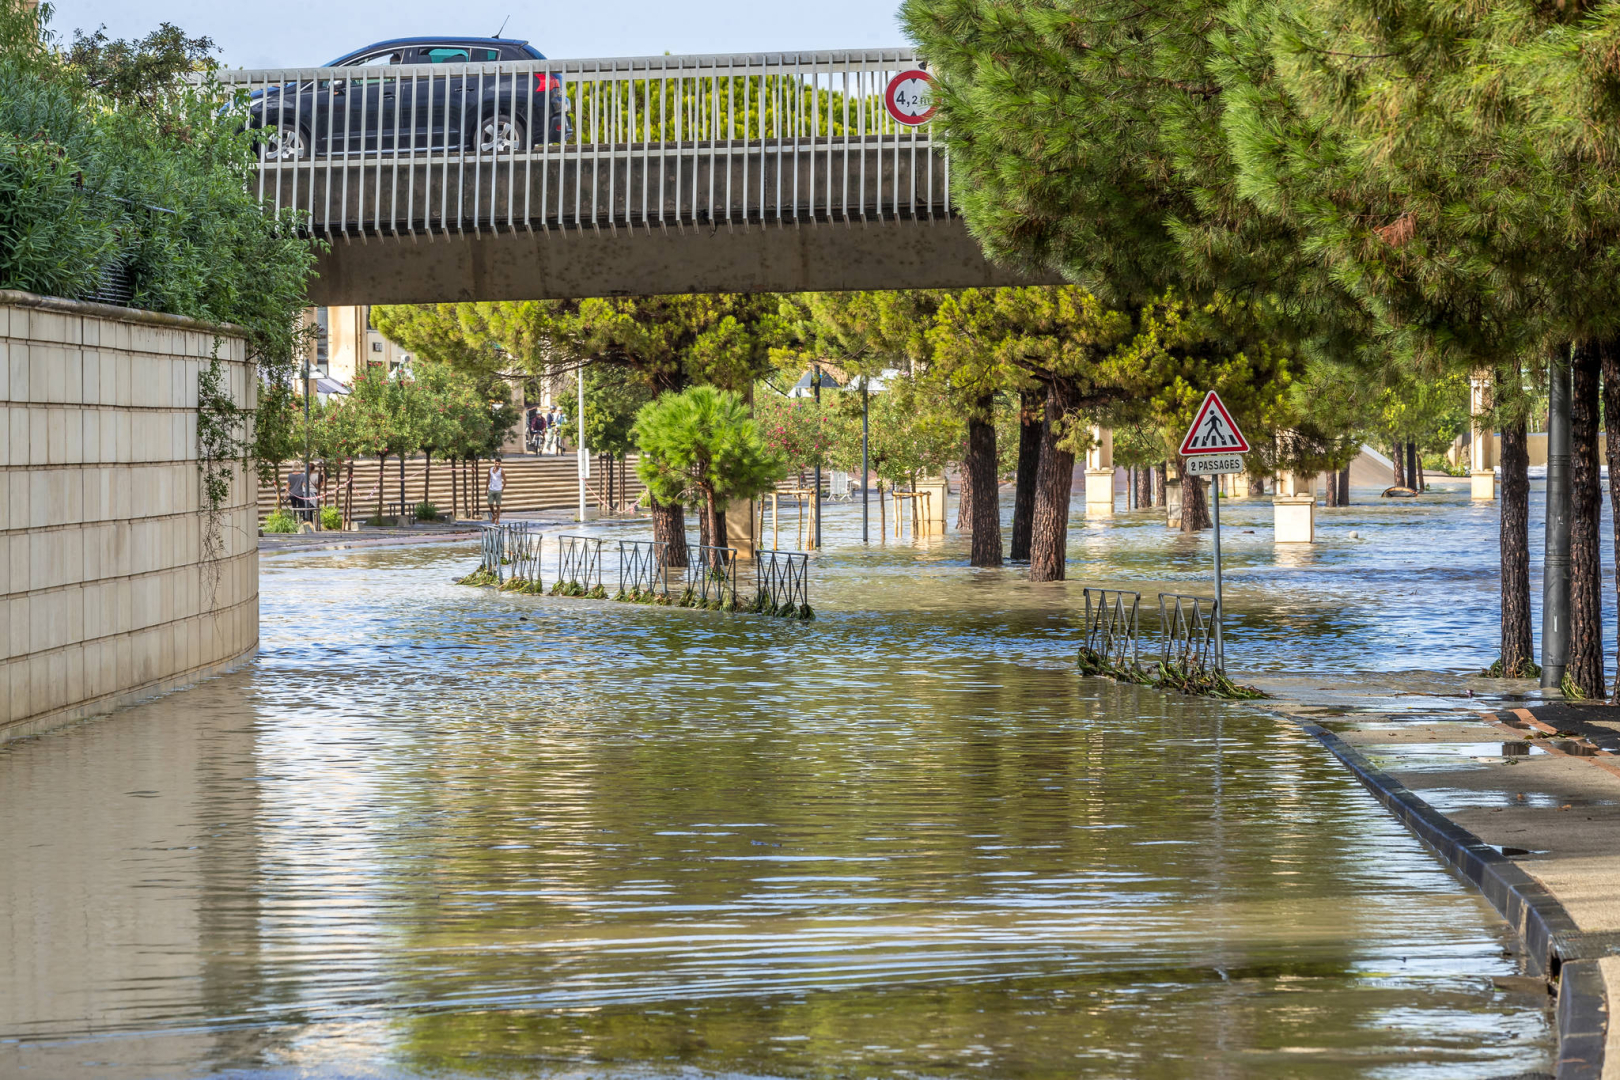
409,148
579,562
711,576
1187,637
643,568
505,548
783,581
1113,624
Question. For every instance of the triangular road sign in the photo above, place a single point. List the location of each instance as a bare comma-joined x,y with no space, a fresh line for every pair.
1213,431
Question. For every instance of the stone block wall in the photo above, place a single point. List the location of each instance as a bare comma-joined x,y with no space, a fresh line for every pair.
105,594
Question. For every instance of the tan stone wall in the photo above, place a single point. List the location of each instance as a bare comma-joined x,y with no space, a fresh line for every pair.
106,597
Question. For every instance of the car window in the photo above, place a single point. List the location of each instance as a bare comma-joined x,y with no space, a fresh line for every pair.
376,60
460,55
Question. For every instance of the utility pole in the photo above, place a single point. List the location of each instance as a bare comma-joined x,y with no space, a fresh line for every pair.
815,374
1555,567
866,510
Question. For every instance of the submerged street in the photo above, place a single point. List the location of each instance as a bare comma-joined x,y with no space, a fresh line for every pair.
444,831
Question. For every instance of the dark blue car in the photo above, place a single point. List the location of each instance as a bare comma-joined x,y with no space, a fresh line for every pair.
462,109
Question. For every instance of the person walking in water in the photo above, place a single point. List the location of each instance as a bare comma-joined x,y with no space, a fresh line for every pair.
497,485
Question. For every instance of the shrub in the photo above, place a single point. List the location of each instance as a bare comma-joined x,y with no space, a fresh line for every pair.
331,518
426,511
281,521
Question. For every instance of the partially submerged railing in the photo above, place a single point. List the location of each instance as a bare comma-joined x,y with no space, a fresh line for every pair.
654,142
1186,633
1189,653
579,566
504,548
711,577
782,585
643,569
1112,626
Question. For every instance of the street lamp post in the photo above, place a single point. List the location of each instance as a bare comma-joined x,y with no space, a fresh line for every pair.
584,461
815,375
316,516
866,510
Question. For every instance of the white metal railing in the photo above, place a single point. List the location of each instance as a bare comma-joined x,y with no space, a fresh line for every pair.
650,141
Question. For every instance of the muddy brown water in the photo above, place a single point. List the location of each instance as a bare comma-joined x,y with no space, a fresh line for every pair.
439,831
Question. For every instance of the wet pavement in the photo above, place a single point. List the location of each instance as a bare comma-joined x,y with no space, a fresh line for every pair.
443,831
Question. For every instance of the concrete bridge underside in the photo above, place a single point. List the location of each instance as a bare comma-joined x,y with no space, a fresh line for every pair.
638,261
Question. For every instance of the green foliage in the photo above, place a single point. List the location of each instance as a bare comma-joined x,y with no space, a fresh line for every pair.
613,397
426,511
701,445
281,521
331,518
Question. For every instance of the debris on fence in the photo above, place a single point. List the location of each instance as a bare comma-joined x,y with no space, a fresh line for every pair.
1186,661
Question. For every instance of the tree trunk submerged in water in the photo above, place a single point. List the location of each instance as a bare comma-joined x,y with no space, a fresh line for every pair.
1031,422
979,477
1054,485
1194,499
669,528
1586,506
1517,646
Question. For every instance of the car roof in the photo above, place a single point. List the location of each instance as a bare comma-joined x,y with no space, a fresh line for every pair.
447,40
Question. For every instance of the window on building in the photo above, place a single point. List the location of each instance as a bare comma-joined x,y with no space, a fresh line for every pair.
368,318
376,346
323,354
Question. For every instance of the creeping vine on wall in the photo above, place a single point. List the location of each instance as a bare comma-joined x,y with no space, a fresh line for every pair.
218,447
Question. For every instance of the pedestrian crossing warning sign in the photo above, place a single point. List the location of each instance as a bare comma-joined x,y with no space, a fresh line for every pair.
1213,431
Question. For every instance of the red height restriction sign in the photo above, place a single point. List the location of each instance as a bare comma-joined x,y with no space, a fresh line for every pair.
910,97
1213,431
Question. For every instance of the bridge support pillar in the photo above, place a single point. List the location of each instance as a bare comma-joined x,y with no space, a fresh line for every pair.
1293,510
1100,473
1481,441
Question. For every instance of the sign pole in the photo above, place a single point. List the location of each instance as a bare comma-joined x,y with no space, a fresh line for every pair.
1220,609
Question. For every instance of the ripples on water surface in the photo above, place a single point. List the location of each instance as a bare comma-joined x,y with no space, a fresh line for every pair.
441,831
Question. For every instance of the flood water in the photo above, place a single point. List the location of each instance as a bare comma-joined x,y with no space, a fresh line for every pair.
438,831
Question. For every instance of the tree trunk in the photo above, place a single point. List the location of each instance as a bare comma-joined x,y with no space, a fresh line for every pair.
1194,500
401,519
1331,490
382,463
1030,424
427,476
669,528
964,500
883,517
1585,544
1144,487
1517,646
1054,486
1398,459
979,477
1344,486
1161,492
1609,353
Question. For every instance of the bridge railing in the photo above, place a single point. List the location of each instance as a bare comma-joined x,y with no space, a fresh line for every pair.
1113,626
651,141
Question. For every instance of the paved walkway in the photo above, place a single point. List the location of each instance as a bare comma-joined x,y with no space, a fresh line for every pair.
1536,781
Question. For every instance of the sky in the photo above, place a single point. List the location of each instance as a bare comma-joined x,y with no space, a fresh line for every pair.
297,33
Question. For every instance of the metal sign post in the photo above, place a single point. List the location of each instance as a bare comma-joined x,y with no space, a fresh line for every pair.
1214,447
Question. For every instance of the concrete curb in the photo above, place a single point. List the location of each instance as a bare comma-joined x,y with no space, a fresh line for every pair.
1534,913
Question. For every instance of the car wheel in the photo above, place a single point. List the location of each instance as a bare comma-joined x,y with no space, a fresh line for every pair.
501,134
284,144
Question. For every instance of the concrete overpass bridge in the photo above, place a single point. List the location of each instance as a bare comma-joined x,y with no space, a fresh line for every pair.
772,172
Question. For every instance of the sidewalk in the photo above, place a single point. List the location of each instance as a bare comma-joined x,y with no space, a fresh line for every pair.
1521,794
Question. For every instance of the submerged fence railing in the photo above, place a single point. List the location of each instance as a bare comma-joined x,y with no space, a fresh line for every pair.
513,556
782,586
643,569
1189,643
1112,626
711,576
404,147
579,565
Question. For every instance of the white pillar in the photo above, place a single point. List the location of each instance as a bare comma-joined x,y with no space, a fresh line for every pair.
1100,473
584,458
1481,445
1293,510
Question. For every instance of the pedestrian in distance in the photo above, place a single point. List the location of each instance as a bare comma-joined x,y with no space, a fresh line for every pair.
497,485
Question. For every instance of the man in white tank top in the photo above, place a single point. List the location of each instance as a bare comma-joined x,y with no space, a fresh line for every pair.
497,484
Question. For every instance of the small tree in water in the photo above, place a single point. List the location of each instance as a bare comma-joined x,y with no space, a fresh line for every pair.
700,445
